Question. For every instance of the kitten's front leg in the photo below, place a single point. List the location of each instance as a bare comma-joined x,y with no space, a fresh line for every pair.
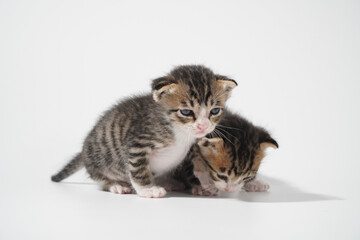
201,191
256,186
141,177
207,186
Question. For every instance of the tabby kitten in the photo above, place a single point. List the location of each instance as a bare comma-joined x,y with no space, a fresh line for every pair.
229,159
144,137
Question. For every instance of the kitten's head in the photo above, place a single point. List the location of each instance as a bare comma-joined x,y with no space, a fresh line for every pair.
228,168
194,97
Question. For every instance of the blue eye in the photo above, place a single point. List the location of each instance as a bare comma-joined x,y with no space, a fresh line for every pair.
215,111
186,112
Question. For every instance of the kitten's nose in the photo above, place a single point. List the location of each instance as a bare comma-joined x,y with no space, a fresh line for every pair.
202,126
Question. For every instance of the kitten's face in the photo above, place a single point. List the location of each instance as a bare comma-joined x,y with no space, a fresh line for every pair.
194,98
224,168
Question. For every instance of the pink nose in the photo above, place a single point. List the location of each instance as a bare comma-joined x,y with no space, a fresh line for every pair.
202,126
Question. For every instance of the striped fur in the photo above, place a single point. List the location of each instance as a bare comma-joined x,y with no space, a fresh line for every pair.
228,158
73,166
144,137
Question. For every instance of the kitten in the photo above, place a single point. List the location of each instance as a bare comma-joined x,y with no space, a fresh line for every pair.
230,159
144,137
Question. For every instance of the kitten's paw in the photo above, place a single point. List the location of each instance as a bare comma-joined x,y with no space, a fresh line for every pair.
201,191
152,192
118,189
256,186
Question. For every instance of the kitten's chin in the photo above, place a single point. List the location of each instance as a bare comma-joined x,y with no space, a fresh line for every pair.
200,135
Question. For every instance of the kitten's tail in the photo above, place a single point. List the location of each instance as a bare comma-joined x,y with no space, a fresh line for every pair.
73,166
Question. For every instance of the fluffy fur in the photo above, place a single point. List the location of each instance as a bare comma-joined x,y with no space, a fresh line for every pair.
228,158
144,137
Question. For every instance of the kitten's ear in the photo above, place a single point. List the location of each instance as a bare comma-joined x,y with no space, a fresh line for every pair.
268,142
162,86
206,142
226,83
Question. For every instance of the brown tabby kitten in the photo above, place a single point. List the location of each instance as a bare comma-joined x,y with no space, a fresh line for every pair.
144,137
230,160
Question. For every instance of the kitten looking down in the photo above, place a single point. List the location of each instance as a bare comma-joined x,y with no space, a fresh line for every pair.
146,136
229,159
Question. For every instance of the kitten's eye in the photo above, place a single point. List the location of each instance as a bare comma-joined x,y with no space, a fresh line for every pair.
222,177
186,112
215,111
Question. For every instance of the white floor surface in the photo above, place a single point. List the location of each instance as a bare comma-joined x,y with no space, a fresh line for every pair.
297,63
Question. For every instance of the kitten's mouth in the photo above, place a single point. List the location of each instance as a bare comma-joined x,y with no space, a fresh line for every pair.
203,133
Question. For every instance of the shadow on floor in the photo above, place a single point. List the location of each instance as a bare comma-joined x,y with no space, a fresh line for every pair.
280,191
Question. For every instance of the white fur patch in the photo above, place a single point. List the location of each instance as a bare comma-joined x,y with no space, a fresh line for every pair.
150,192
118,189
165,159
202,114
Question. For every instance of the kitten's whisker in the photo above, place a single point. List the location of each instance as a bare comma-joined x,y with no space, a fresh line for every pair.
215,134
220,135
225,137
220,129
211,134
229,127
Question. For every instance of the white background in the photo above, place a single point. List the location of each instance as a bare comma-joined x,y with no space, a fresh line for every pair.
62,63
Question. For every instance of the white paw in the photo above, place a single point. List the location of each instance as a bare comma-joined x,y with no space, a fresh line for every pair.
118,189
256,186
208,191
151,192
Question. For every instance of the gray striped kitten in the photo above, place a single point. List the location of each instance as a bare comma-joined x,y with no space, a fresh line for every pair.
144,137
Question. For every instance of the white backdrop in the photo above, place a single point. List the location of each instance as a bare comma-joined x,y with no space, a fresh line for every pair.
297,63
